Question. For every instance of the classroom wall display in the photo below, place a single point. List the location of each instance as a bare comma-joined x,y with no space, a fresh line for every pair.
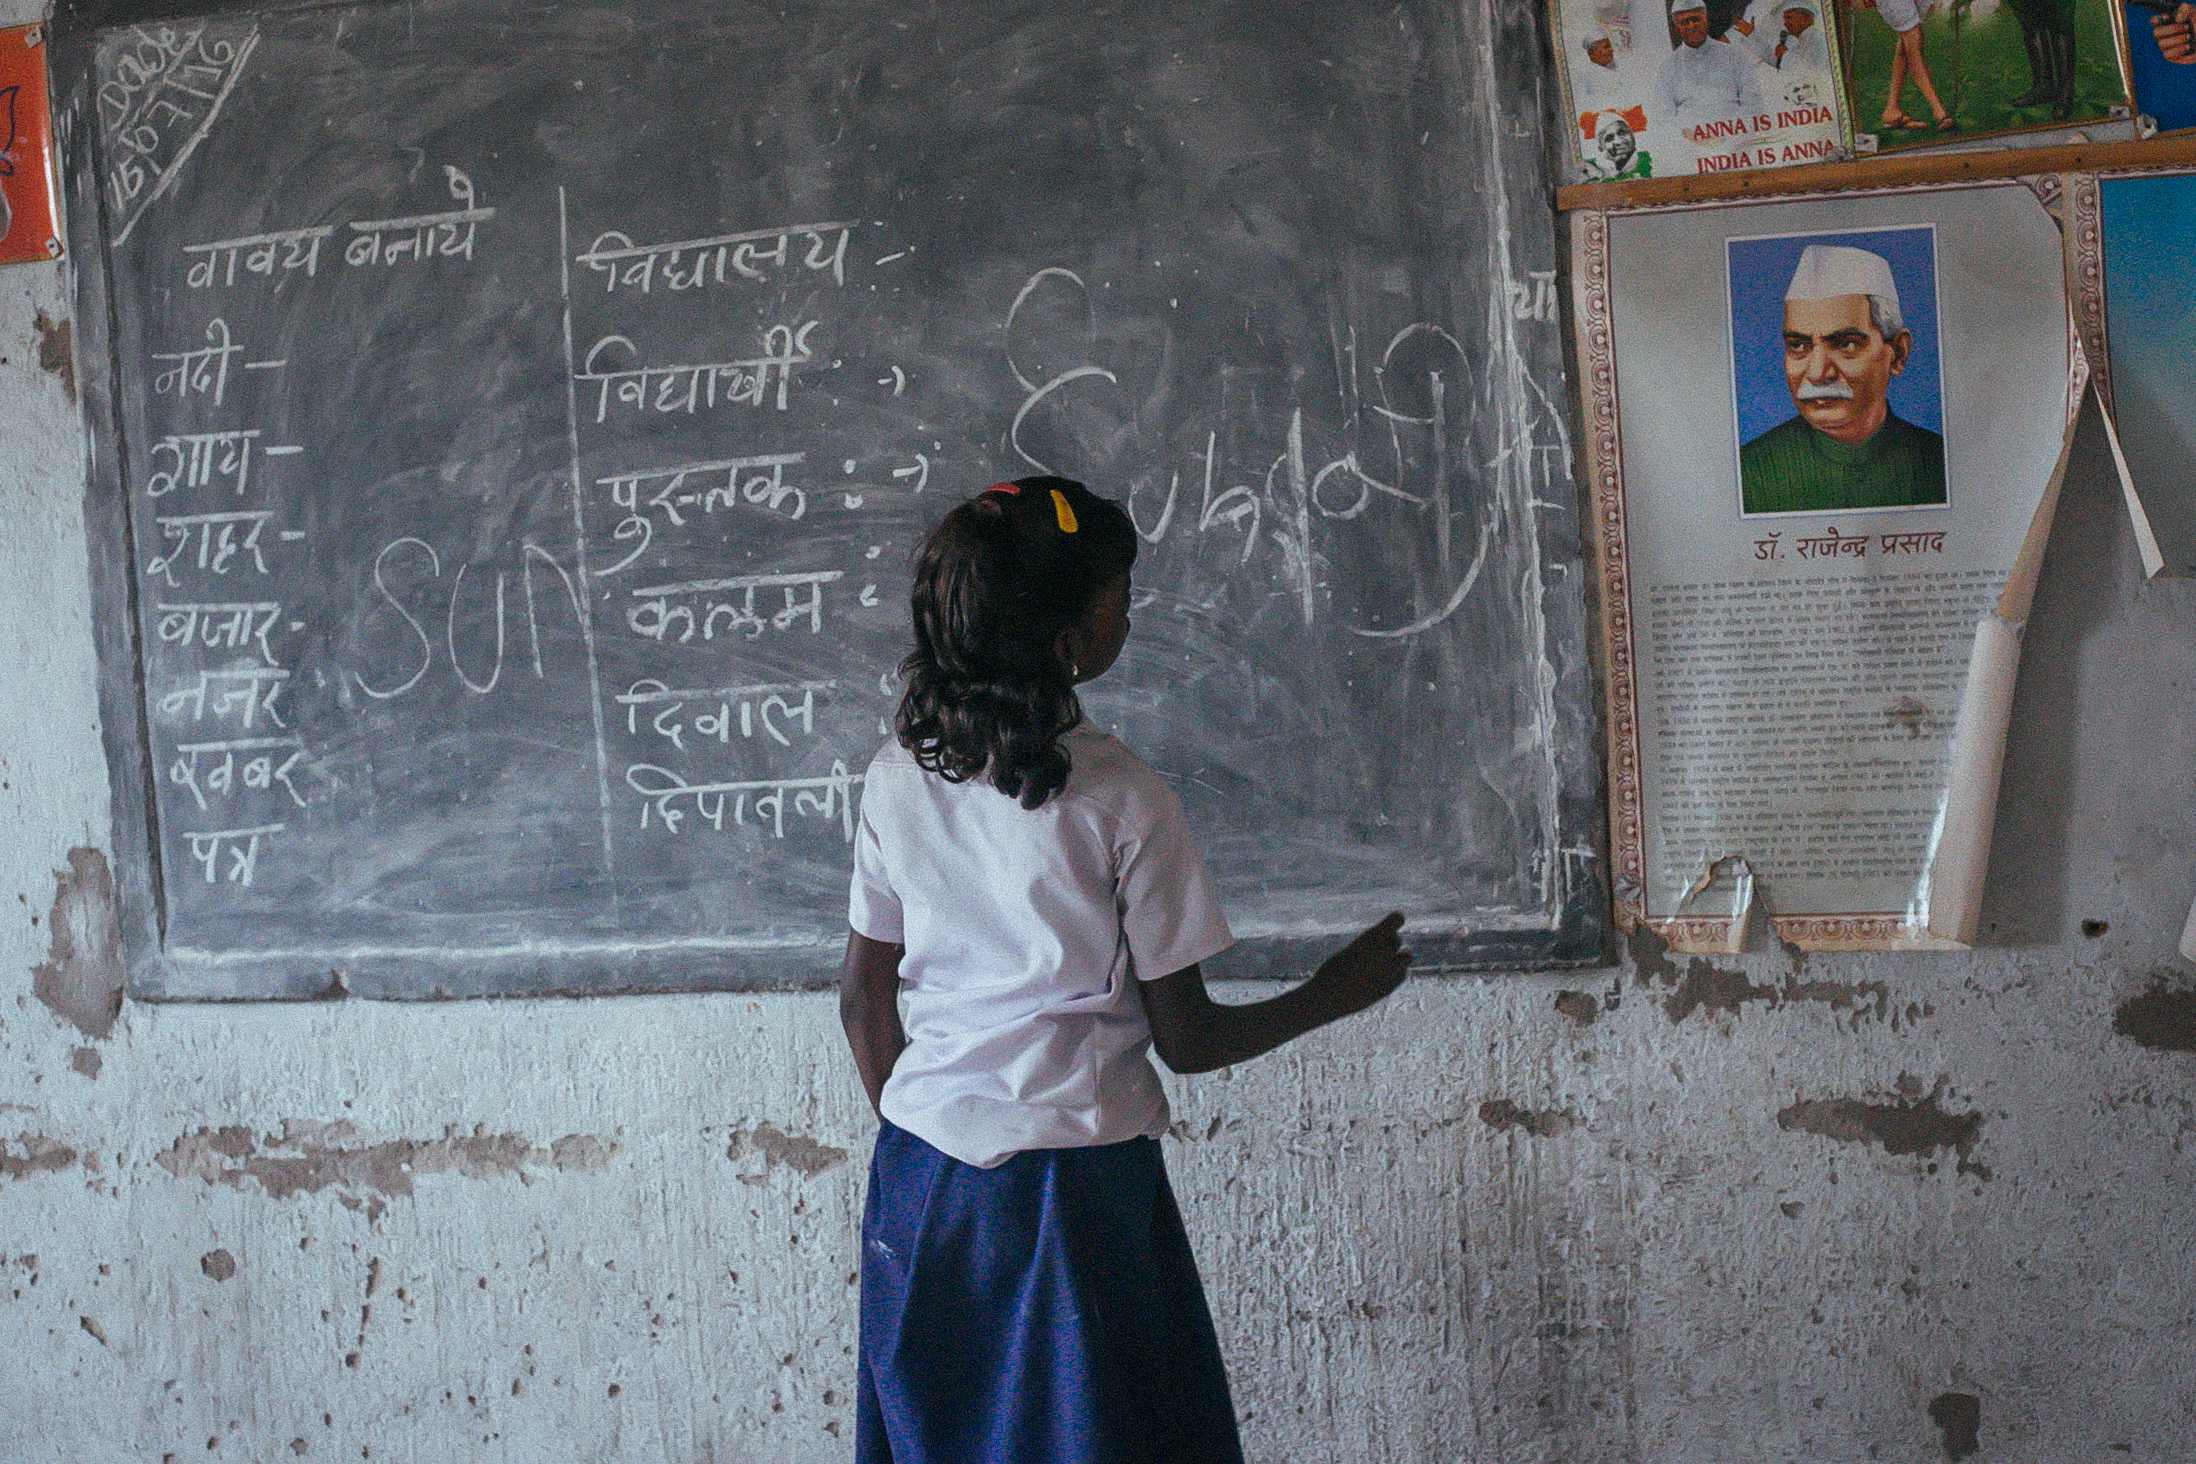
1661,88
2127,237
1808,512
2161,53
516,423
1928,72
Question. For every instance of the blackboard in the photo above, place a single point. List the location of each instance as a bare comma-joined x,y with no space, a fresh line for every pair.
511,424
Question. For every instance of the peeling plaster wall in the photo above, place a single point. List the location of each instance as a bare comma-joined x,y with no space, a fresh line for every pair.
1683,1211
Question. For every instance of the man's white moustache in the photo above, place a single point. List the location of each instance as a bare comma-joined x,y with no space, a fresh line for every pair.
1827,391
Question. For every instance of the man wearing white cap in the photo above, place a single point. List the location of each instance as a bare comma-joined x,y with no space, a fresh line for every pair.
1799,46
1600,83
1844,339
1706,80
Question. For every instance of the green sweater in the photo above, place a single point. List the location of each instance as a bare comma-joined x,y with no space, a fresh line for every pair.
1793,468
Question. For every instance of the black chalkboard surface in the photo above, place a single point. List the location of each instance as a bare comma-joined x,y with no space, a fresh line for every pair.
512,422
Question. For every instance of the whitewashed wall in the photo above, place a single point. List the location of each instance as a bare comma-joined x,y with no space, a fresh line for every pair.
1777,1208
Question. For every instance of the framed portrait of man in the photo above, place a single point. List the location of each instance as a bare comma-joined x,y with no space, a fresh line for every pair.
1819,433
1836,384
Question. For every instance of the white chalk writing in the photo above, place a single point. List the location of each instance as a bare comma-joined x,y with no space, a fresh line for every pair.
242,846
216,536
759,707
262,254
248,693
825,798
733,601
204,371
197,458
706,384
420,237
156,99
263,765
639,266
754,480
227,625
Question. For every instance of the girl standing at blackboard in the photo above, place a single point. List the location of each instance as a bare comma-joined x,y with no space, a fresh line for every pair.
1029,891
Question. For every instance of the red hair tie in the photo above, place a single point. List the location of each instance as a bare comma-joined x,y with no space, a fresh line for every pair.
1002,488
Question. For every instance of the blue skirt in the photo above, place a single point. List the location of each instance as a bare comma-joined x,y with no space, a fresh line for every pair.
1046,1311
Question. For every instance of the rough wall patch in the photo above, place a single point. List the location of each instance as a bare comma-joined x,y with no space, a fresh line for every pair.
1959,1415
1705,985
40,1155
797,1152
1500,1114
2162,1017
57,352
81,979
1908,1125
1578,1006
307,1157
85,1060
218,1264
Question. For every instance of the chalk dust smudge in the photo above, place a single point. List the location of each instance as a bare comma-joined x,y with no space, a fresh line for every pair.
81,979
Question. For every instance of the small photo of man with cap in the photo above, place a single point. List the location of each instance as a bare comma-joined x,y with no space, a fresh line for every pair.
1706,80
1825,433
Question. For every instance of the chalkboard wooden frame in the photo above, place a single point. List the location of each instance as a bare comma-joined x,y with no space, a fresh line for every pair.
1580,938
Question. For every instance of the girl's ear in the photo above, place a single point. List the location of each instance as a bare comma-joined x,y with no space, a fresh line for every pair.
1068,645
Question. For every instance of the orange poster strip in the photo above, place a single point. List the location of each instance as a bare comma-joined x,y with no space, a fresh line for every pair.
26,149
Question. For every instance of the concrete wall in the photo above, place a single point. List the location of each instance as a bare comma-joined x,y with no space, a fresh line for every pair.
1771,1208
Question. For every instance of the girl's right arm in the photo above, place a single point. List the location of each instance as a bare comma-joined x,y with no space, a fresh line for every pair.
1192,1033
869,1009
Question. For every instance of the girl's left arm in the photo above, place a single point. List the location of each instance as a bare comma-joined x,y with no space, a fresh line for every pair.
869,1009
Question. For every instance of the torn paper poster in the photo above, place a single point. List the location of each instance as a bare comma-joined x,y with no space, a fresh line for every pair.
1820,433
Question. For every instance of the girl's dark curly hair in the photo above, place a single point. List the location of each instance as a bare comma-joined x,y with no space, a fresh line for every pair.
995,584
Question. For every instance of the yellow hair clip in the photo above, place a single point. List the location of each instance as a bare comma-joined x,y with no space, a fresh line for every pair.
1062,512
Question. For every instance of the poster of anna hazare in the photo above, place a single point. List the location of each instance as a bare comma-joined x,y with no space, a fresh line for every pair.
1662,88
1836,380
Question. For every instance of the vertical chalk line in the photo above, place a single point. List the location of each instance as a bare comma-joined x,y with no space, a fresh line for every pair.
579,540
1300,492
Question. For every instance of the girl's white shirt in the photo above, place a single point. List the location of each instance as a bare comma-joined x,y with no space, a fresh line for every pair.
1026,930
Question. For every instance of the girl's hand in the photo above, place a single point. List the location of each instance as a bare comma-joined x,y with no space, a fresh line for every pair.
1192,1033
1366,969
